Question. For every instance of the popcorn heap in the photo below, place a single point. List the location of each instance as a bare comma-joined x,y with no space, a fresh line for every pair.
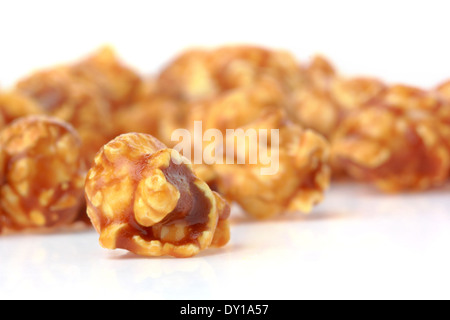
249,87
98,127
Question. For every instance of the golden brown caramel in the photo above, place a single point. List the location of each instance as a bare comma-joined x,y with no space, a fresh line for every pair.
399,141
145,198
14,105
244,87
73,100
444,90
118,83
156,115
327,98
299,183
43,174
201,74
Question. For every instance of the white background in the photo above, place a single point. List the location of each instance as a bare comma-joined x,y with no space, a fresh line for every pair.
357,244
399,41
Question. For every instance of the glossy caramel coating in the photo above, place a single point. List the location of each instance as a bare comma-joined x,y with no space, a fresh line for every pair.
145,198
43,174
74,100
399,141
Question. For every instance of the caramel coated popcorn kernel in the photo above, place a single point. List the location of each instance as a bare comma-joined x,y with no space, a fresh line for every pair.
117,83
43,174
398,141
298,184
74,100
444,90
202,74
14,105
327,98
156,115
145,198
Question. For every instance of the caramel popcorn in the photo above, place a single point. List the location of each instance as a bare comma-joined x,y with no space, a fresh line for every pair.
318,73
42,174
311,104
74,100
118,83
141,200
298,184
314,109
351,93
398,141
248,88
145,198
14,105
201,74
156,115
444,90
224,88
231,110
327,98
236,108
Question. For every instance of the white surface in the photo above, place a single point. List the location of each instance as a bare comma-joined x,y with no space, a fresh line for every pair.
358,244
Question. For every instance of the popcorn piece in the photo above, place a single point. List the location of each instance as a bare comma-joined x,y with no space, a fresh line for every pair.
145,198
352,93
248,88
43,174
444,90
14,105
398,141
118,83
231,110
319,72
188,77
297,184
74,100
156,115
236,108
201,74
327,98
314,109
